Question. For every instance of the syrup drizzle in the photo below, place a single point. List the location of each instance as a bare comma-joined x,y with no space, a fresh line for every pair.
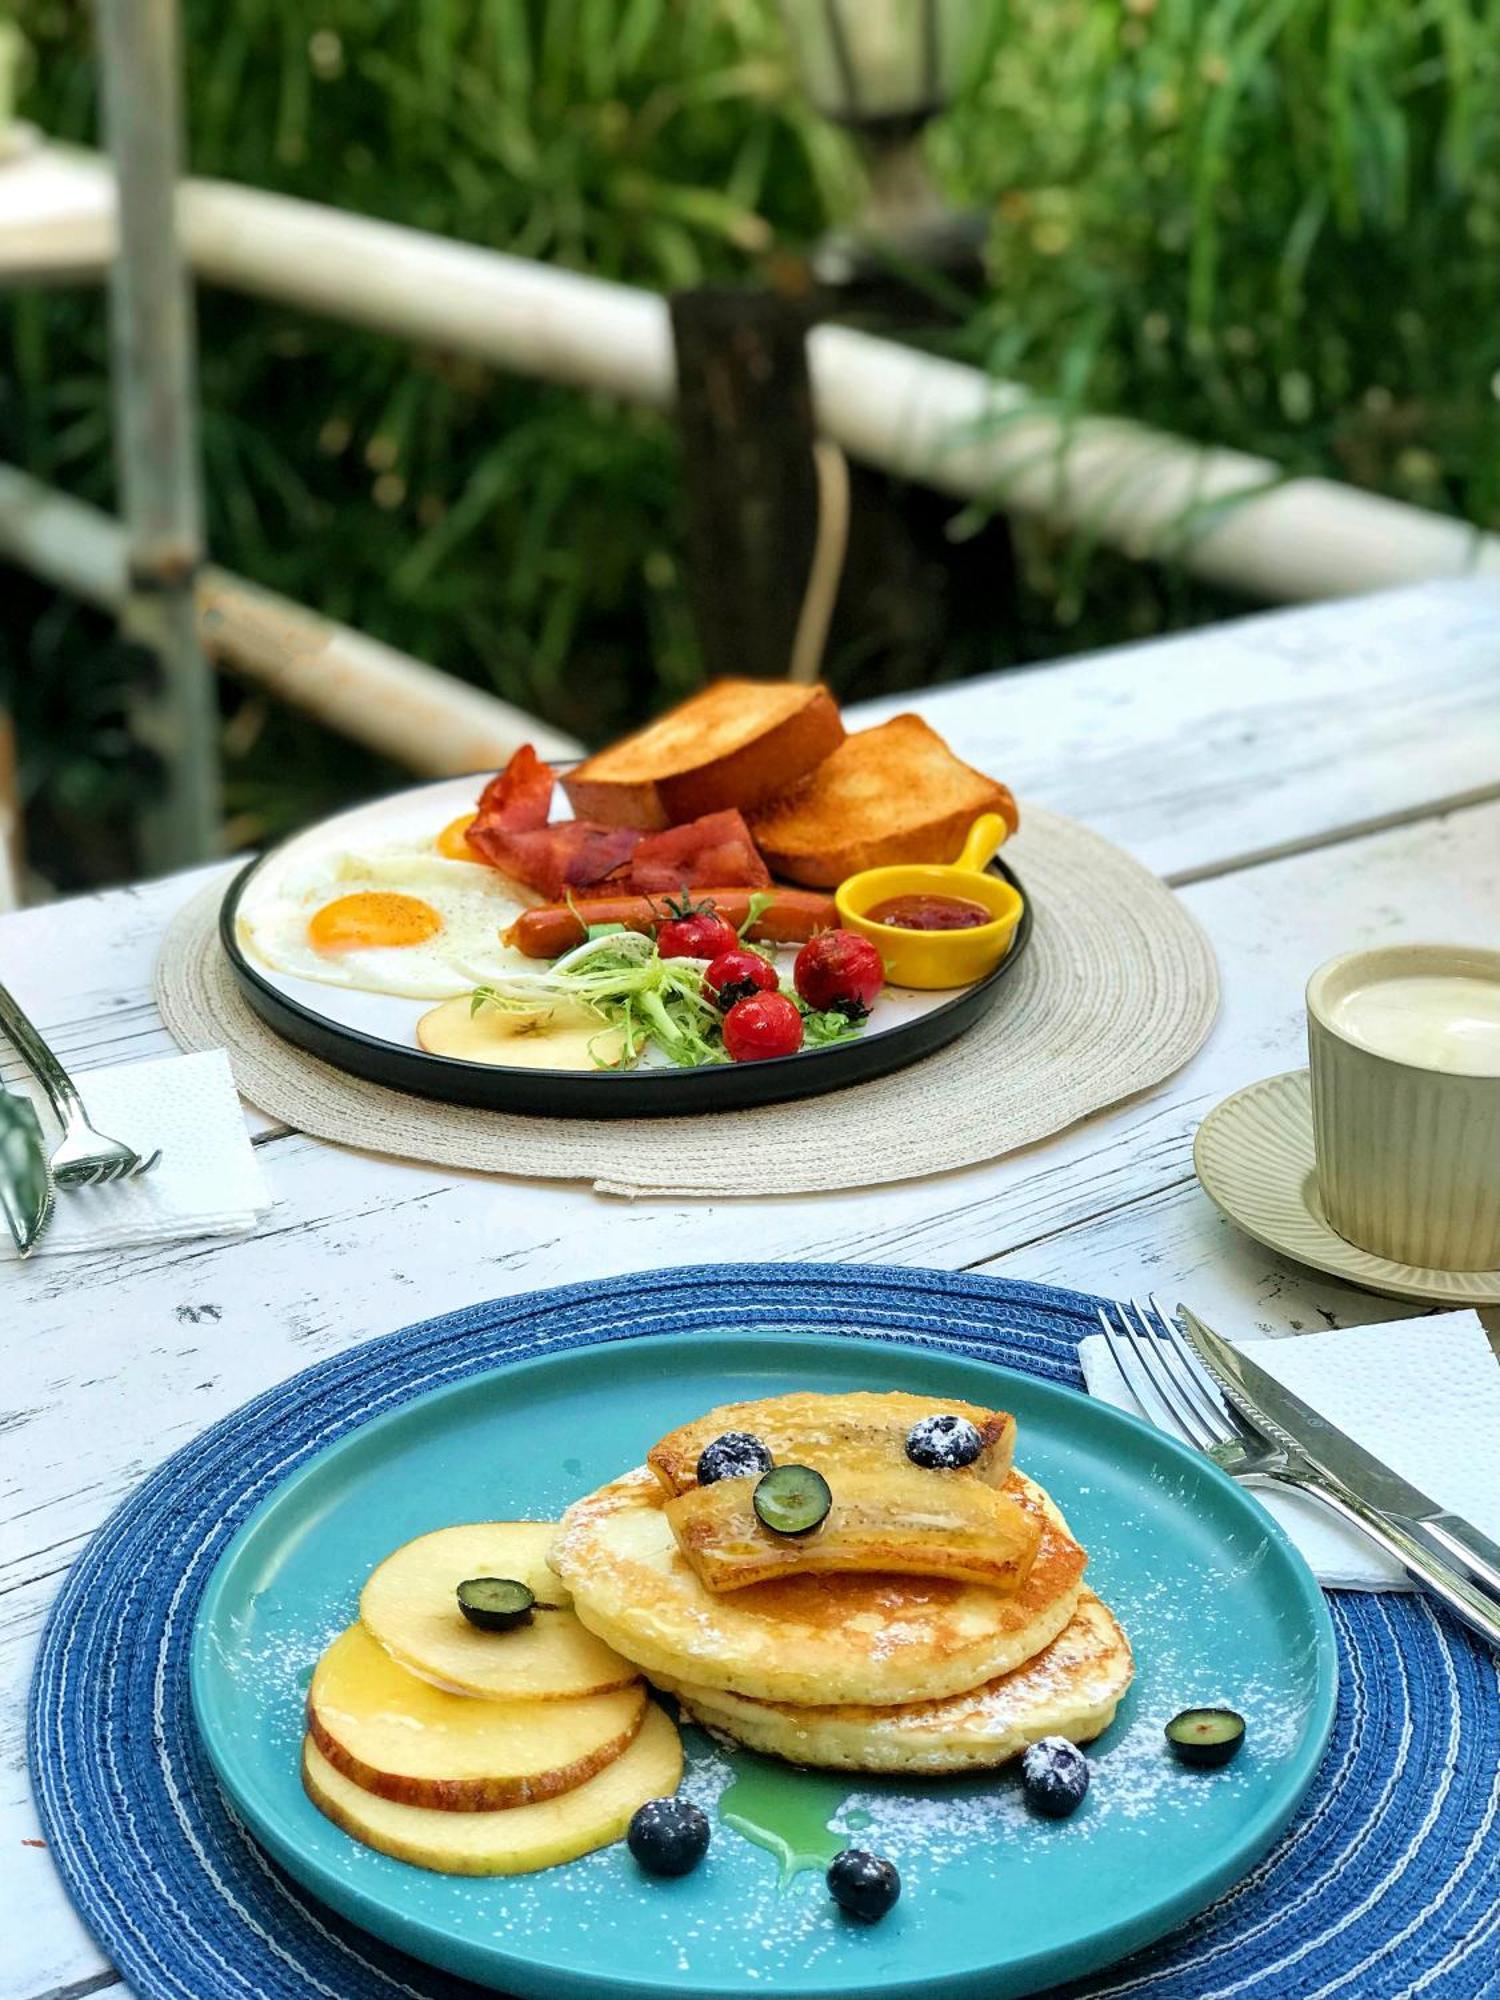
788,1812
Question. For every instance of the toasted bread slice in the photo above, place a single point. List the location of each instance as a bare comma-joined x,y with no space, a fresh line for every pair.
737,743
890,794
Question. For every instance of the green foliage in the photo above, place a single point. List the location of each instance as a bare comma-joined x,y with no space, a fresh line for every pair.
521,536
1271,224
1267,223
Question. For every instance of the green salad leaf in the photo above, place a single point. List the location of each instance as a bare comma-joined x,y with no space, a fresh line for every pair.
621,977
759,903
819,1028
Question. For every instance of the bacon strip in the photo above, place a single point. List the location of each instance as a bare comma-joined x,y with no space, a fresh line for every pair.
520,798
716,849
571,855
511,831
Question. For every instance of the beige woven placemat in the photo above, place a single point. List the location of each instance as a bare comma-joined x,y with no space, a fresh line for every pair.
1117,989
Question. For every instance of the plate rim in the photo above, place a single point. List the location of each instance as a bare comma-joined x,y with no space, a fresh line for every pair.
575,1093
1344,1260
1043,1967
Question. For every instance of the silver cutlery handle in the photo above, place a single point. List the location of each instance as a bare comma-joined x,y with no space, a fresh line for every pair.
1477,1610
39,1059
1468,1548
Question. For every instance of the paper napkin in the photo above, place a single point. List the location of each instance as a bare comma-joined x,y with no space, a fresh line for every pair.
1422,1394
208,1181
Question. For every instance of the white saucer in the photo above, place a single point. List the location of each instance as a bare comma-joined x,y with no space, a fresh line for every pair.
1254,1157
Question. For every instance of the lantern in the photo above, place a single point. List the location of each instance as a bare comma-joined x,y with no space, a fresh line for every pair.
883,68
875,64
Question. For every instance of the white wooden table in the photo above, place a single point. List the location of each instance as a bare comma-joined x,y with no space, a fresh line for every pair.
1312,780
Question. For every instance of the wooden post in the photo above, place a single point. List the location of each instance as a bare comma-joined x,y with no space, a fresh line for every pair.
174,712
10,818
744,411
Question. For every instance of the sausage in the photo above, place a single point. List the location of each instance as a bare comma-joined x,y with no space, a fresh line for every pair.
791,917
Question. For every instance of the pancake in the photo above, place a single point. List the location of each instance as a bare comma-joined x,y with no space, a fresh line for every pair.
865,1427
1071,1689
862,1638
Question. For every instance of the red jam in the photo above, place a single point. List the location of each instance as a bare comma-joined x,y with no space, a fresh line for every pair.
929,913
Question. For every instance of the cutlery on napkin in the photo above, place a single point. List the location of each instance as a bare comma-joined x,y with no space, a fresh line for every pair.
1422,1394
209,1181
25,1184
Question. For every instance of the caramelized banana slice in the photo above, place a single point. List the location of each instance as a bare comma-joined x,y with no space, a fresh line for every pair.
862,1430
886,1516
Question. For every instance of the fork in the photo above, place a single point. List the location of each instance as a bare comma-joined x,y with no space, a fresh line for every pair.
85,1157
1182,1399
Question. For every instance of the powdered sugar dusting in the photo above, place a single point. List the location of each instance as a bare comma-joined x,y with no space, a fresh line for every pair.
739,1923
1198,1612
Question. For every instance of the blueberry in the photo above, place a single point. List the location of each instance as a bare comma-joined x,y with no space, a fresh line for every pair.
668,1836
1055,1776
943,1443
735,1455
866,1885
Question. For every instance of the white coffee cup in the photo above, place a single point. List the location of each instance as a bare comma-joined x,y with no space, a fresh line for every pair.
1404,1045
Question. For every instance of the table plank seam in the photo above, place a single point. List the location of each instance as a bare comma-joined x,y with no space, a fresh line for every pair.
43,1575
1337,836
1171,1187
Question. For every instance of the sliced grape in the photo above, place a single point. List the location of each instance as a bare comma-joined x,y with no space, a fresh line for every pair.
496,1603
792,1500
1206,1737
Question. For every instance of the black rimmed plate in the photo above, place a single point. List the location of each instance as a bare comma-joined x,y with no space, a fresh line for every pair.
372,1036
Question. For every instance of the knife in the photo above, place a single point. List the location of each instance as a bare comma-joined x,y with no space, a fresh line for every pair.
1296,1426
25,1184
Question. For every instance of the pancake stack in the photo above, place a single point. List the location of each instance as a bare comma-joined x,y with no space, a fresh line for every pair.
936,1621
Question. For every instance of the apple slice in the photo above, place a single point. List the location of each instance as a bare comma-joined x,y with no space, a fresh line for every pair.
554,1037
398,1735
513,1842
410,1606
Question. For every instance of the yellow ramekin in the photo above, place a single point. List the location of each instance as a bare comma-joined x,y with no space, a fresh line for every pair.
938,958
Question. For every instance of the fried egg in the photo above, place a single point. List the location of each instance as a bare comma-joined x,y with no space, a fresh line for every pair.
408,921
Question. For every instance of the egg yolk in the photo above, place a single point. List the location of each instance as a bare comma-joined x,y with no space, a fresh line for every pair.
451,842
374,917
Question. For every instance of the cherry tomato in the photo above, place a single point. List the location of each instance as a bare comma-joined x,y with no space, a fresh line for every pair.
695,930
735,975
767,1024
840,972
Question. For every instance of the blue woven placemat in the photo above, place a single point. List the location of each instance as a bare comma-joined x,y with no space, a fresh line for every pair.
1387,1885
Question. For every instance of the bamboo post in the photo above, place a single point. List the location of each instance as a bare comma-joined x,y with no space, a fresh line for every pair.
1234,519
174,710
10,818
406,710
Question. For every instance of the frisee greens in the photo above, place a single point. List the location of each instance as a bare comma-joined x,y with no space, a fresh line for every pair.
621,977
819,1028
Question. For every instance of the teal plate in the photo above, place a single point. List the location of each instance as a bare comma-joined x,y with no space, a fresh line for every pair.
995,1902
